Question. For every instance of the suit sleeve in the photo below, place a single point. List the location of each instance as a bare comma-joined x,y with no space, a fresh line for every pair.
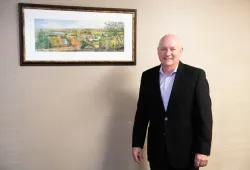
203,117
141,117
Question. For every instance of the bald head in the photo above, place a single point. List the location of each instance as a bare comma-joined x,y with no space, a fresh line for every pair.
170,39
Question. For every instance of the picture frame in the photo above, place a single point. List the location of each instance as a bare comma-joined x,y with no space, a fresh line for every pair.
51,35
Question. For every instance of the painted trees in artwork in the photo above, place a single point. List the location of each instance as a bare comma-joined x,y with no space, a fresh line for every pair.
114,31
42,40
74,42
56,41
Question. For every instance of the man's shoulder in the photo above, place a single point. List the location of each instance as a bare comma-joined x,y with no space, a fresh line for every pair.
192,69
151,70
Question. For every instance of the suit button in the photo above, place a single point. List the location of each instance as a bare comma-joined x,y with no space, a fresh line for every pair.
166,118
164,134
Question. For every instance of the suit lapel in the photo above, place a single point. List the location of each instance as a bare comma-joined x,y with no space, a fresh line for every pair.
177,86
158,91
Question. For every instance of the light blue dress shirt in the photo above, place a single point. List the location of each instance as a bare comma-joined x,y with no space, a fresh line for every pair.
166,84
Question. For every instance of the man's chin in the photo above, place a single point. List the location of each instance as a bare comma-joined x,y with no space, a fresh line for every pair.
167,64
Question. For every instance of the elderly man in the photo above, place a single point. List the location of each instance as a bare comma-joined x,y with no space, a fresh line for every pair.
175,106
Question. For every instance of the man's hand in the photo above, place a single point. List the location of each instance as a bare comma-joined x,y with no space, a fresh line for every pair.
137,154
200,160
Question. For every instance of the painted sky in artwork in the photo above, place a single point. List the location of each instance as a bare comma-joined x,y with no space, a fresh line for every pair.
68,24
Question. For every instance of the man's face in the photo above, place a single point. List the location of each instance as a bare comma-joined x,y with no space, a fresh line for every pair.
169,51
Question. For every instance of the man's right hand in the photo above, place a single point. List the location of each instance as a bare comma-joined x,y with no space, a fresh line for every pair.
137,154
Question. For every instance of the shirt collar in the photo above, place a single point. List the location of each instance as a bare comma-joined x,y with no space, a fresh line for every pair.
161,71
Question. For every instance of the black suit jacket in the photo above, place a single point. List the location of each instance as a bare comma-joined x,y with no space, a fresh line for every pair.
185,128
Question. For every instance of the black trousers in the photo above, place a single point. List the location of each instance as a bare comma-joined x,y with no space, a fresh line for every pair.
166,166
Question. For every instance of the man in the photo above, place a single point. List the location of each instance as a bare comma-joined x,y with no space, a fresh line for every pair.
174,105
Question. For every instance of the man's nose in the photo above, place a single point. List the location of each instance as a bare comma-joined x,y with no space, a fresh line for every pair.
168,53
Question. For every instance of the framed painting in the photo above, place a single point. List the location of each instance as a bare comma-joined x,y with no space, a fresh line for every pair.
73,35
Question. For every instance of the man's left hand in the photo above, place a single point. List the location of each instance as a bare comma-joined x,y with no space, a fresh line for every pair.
200,160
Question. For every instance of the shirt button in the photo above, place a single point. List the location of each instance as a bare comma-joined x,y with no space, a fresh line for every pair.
166,118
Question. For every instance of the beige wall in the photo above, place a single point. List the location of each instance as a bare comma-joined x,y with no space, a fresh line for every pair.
79,118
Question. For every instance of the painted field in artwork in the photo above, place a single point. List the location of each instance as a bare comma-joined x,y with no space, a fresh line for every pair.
78,36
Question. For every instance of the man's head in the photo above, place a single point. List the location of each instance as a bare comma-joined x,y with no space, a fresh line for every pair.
170,50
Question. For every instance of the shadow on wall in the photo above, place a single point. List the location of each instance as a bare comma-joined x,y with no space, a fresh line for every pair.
122,101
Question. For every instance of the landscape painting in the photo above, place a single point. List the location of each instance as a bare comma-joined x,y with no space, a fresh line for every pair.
57,35
78,36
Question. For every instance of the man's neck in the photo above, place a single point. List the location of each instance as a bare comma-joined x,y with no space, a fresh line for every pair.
169,69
